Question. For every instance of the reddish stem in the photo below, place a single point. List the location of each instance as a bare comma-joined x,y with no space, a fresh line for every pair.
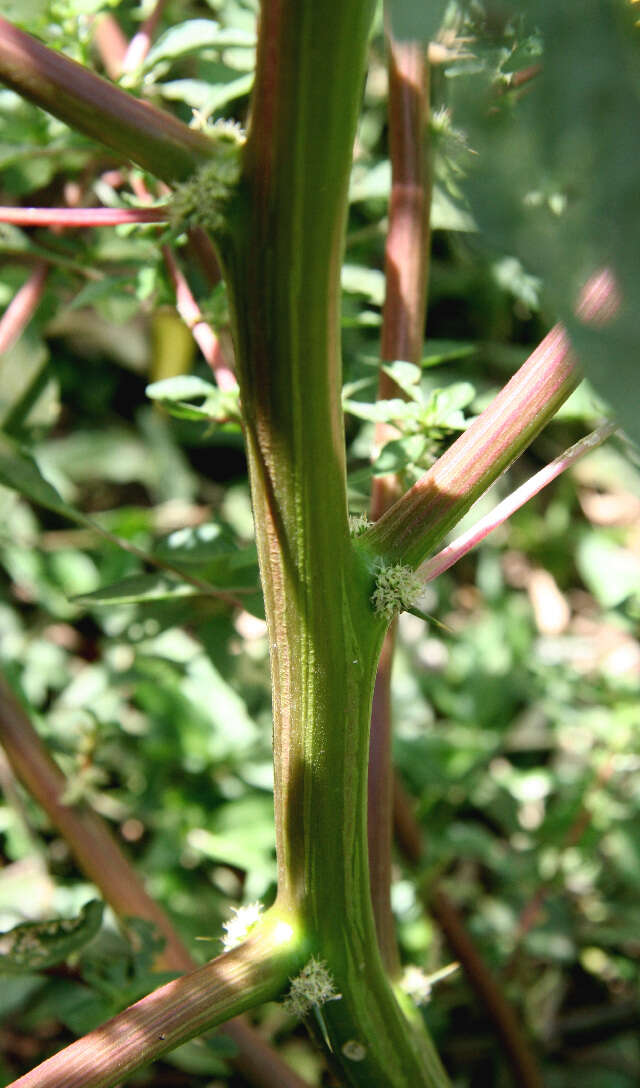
487,990
22,306
101,858
140,44
82,217
406,271
441,562
420,519
203,334
111,43
140,132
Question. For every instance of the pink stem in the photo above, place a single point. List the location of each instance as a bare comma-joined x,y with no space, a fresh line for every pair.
22,306
140,44
203,334
466,541
111,44
82,217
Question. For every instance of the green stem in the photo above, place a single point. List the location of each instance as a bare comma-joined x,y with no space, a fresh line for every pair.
136,130
282,259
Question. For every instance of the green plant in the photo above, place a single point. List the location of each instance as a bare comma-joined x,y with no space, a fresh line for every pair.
275,206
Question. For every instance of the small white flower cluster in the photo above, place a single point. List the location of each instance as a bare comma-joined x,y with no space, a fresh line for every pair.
222,128
358,524
418,985
238,927
313,986
397,588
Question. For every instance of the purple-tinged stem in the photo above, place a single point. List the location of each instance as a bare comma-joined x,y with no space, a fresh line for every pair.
406,276
102,859
82,217
441,562
487,989
22,306
419,520
254,972
153,139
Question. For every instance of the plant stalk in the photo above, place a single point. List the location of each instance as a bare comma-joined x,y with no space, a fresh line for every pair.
463,544
153,139
22,306
101,859
247,976
82,217
407,254
419,520
282,263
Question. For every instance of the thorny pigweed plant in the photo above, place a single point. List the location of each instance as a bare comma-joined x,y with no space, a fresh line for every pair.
274,204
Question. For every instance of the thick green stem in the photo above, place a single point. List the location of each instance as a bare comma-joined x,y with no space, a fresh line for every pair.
147,136
282,261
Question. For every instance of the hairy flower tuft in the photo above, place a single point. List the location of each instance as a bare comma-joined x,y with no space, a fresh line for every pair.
238,927
312,987
397,588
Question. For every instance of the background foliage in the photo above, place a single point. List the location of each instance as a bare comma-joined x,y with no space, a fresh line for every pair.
517,726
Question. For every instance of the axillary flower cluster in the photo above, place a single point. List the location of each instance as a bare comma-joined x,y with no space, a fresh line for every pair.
397,588
313,987
202,200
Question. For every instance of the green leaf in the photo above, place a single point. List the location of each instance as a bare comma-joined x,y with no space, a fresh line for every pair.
406,376
174,393
399,453
23,13
201,95
370,184
33,946
137,589
182,387
416,20
203,1057
449,213
612,573
383,411
443,351
193,35
19,471
358,280
609,355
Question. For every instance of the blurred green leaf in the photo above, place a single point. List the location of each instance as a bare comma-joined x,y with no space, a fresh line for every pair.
193,35
36,945
415,20
19,471
137,589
